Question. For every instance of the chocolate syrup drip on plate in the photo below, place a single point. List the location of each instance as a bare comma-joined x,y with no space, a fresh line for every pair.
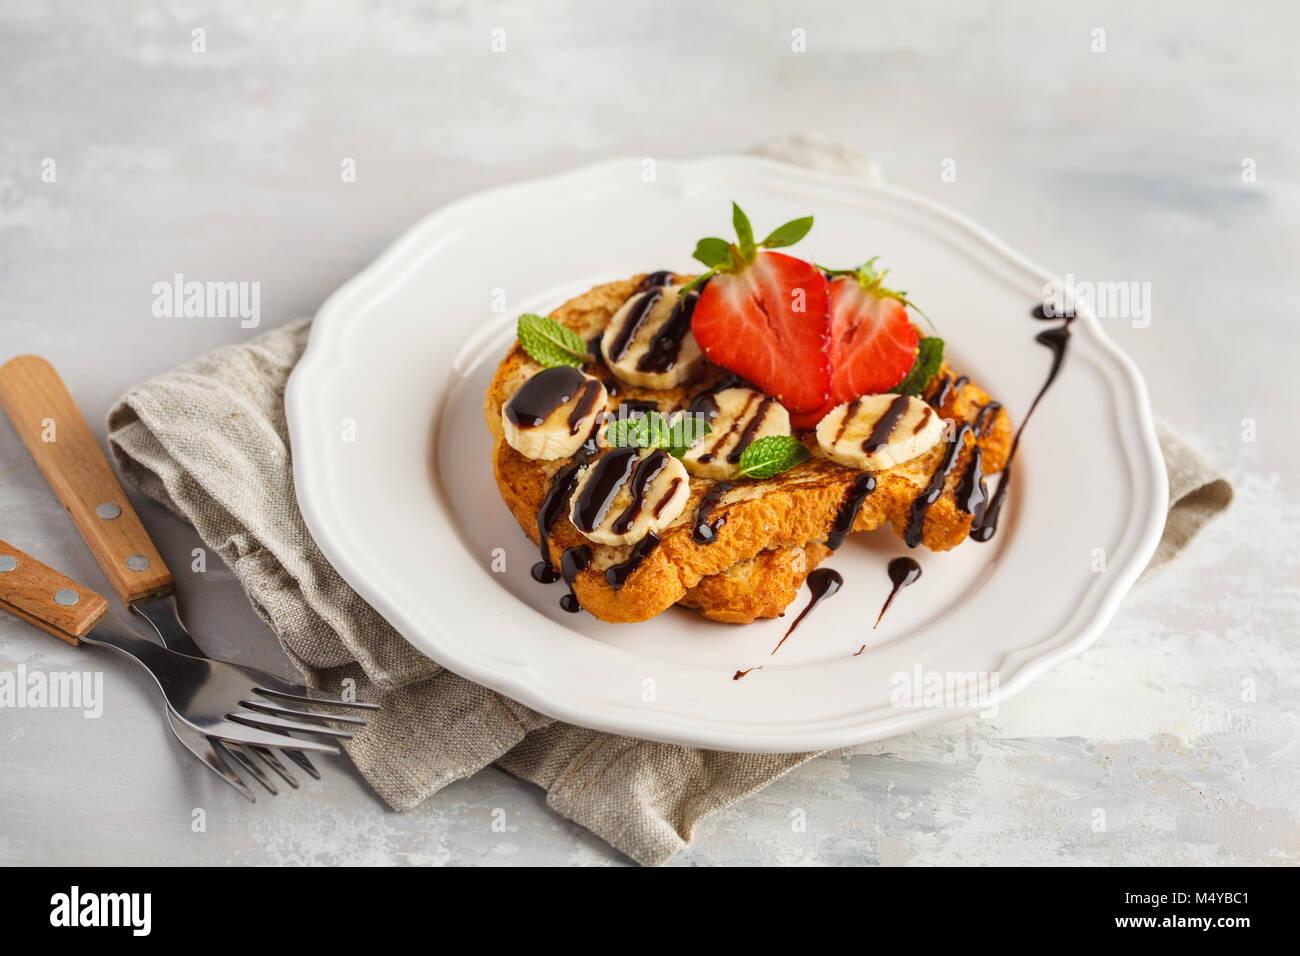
706,531
667,343
572,562
606,480
654,279
902,572
1058,340
646,471
862,486
542,394
925,501
632,322
739,674
822,582
885,426
616,575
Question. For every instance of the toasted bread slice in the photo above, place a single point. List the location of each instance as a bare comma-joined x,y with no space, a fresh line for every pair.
776,515
761,587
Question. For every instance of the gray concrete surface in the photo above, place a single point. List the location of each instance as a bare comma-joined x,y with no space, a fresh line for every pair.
1173,740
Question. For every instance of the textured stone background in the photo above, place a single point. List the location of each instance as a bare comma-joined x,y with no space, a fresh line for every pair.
1119,165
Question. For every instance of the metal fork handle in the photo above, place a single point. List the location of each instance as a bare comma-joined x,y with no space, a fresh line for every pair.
62,444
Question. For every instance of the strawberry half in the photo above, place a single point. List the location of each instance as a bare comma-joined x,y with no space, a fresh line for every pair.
873,342
764,315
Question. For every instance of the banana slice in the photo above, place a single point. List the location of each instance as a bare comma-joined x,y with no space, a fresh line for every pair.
876,432
627,493
649,343
738,416
553,413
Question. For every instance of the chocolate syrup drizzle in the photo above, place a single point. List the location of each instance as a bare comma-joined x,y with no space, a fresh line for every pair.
902,572
539,397
646,471
553,505
925,501
664,348
862,486
653,280
706,531
747,436
1058,340
606,480
885,425
971,491
616,575
822,582
942,392
633,321
572,562
984,418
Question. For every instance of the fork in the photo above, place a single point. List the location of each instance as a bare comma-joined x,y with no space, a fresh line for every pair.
213,698
34,395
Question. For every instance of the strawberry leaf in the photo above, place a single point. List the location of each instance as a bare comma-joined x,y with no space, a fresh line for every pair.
713,251
744,232
550,343
788,234
771,455
929,355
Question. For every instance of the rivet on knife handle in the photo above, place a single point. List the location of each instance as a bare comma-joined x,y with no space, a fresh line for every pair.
52,428
44,597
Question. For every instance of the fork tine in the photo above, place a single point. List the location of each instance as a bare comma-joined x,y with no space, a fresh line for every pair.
230,731
273,762
271,722
210,751
288,710
249,765
306,695
300,758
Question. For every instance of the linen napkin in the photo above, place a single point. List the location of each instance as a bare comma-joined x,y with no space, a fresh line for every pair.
209,441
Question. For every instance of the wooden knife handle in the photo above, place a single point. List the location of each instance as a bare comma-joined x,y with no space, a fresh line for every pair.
47,420
44,597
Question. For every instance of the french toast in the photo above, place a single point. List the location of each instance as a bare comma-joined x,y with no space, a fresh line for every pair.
766,533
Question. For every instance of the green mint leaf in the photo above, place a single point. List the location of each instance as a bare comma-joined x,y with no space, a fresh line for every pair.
788,234
550,343
744,232
627,432
713,252
772,455
929,355
686,430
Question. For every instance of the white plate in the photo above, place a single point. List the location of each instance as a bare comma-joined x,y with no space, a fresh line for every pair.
409,513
